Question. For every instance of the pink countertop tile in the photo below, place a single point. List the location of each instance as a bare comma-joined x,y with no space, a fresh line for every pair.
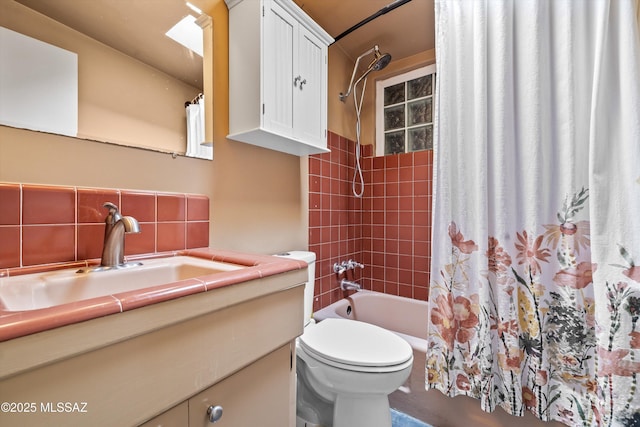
15,324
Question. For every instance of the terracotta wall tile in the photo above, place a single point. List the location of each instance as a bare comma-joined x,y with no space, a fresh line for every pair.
48,205
91,204
420,292
90,241
10,204
138,204
9,246
197,234
171,236
406,161
422,204
197,208
143,242
171,207
421,172
45,244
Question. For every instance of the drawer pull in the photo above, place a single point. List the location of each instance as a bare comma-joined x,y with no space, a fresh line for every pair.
214,413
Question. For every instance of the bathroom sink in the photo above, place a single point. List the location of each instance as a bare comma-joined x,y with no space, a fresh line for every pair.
47,289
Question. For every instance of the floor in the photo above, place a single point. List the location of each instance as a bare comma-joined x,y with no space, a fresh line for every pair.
398,419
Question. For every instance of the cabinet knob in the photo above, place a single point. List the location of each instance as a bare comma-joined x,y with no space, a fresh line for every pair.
296,80
214,413
302,82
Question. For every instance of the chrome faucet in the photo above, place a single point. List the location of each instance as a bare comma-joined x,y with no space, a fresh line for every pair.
352,265
346,265
116,226
348,285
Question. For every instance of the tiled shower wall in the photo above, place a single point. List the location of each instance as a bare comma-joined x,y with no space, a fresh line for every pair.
388,229
335,217
41,224
396,223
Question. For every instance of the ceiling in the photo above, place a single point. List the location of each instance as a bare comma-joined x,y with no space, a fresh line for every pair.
402,32
137,27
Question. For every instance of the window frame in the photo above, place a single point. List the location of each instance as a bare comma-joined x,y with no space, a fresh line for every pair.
379,111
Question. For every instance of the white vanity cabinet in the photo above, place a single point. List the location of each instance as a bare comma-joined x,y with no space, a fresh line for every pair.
258,395
165,364
277,77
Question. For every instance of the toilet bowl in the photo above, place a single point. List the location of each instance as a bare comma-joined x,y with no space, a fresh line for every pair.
353,366
346,369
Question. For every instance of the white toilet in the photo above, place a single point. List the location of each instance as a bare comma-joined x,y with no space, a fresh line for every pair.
346,369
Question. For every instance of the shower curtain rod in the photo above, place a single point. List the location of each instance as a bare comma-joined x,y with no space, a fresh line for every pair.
194,100
388,8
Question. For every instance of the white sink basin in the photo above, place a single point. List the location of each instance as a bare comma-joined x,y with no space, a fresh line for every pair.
41,290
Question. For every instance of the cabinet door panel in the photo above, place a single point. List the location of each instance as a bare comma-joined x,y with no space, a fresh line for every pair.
258,395
178,416
310,100
278,50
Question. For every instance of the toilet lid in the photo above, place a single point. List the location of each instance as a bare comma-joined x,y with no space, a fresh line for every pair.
355,343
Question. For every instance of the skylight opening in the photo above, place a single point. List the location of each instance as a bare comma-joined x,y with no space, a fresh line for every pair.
188,34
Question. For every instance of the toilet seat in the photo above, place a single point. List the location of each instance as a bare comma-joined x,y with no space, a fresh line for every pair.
356,346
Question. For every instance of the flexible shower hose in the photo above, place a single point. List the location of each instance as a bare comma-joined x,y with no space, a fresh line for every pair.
358,170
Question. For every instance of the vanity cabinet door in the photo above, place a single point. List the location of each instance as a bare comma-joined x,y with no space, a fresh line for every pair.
174,417
258,395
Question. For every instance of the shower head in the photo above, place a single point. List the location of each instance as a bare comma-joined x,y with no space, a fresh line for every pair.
380,60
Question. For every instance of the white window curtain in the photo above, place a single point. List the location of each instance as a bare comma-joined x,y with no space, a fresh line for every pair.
535,293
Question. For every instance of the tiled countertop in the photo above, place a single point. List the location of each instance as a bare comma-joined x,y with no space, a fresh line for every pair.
15,324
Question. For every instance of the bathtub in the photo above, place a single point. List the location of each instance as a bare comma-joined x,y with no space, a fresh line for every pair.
407,318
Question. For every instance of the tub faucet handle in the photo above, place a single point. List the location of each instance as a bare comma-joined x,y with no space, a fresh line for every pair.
351,264
339,268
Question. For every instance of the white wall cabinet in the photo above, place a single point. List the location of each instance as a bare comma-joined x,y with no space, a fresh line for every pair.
277,77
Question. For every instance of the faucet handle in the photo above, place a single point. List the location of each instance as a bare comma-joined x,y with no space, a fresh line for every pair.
339,268
113,216
354,264
112,207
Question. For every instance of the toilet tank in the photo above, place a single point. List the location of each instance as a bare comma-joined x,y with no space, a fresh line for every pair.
310,259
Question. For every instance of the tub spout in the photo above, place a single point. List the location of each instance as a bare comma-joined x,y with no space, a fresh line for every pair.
348,285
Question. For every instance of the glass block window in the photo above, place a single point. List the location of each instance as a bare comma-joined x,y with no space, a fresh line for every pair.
404,112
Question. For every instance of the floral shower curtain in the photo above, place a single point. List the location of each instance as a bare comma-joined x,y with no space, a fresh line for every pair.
535,288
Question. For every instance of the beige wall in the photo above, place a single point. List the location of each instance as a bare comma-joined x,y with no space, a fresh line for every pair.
342,116
260,200
258,197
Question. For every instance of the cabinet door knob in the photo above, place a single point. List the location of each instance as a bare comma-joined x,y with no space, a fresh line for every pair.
214,413
296,80
302,82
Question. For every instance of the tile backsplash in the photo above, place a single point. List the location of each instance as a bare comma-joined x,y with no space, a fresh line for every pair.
43,224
